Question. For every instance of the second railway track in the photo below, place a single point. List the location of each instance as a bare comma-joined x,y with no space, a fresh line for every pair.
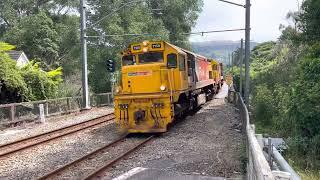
31,141
95,163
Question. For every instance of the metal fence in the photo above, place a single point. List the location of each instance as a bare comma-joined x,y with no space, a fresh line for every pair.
257,166
29,111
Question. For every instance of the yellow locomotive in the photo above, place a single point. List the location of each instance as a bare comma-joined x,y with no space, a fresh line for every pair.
160,81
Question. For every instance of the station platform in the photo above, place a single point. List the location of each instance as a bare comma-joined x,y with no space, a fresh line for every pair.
140,173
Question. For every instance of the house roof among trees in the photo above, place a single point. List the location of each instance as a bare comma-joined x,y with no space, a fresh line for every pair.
14,54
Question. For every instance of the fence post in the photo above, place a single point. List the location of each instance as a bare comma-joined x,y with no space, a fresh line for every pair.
12,112
68,104
47,108
108,98
270,151
41,114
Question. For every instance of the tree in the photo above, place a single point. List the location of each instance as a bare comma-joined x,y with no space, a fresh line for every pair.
179,17
27,83
38,38
12,85
309,21
41,84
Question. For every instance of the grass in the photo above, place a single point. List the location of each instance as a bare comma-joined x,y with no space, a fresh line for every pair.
309,175
304,174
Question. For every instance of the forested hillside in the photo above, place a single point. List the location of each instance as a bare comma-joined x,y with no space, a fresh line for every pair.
48,32
217,49
285,88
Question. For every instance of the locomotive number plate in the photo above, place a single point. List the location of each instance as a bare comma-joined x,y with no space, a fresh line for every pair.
136,48
156,46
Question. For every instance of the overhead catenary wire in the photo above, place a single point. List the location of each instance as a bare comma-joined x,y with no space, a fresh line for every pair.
233,3
214,31
147,34
114,11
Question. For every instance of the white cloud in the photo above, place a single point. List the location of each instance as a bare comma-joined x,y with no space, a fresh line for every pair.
266,16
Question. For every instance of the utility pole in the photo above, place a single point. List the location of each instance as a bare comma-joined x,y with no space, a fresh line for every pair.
247,53
232,62
85,89
241,63
229,62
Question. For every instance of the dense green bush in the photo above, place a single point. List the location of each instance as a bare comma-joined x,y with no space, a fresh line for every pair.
285,97
25,83
42,85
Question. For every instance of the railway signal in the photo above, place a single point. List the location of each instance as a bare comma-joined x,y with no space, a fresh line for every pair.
111,66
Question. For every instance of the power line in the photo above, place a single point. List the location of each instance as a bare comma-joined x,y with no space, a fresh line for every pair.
114,11
229,2
119,35
148,34
215,31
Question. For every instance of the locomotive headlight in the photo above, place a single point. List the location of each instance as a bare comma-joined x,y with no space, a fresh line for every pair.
145,43
118,89
162,87
145,49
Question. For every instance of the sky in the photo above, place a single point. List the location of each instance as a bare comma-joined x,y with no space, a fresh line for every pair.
266,16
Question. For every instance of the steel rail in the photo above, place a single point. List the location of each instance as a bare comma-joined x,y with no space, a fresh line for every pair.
56,171
102,168
50,133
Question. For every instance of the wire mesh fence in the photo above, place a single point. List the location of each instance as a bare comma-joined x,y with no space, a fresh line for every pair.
29,111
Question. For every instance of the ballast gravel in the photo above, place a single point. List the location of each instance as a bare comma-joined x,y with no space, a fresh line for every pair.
30,129
37,161
209,143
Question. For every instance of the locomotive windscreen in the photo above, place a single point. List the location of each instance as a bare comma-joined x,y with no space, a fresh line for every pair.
150,57
128,60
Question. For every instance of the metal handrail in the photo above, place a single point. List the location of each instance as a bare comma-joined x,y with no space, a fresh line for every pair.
258,167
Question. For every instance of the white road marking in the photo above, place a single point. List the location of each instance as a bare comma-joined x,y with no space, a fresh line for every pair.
130,173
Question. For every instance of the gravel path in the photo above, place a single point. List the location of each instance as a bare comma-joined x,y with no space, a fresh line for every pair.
30,129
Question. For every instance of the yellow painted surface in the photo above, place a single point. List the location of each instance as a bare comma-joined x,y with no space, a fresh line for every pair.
140,89
156,118
216,72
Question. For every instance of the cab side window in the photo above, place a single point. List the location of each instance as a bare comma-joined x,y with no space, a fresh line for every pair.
172,60
182,63
215,67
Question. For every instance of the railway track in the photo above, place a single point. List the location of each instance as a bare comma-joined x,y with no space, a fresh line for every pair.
95,163
29,142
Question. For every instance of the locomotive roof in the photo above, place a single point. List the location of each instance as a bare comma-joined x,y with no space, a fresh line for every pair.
197,55
180,50
186,51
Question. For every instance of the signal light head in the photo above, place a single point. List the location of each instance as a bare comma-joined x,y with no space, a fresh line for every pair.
110,65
